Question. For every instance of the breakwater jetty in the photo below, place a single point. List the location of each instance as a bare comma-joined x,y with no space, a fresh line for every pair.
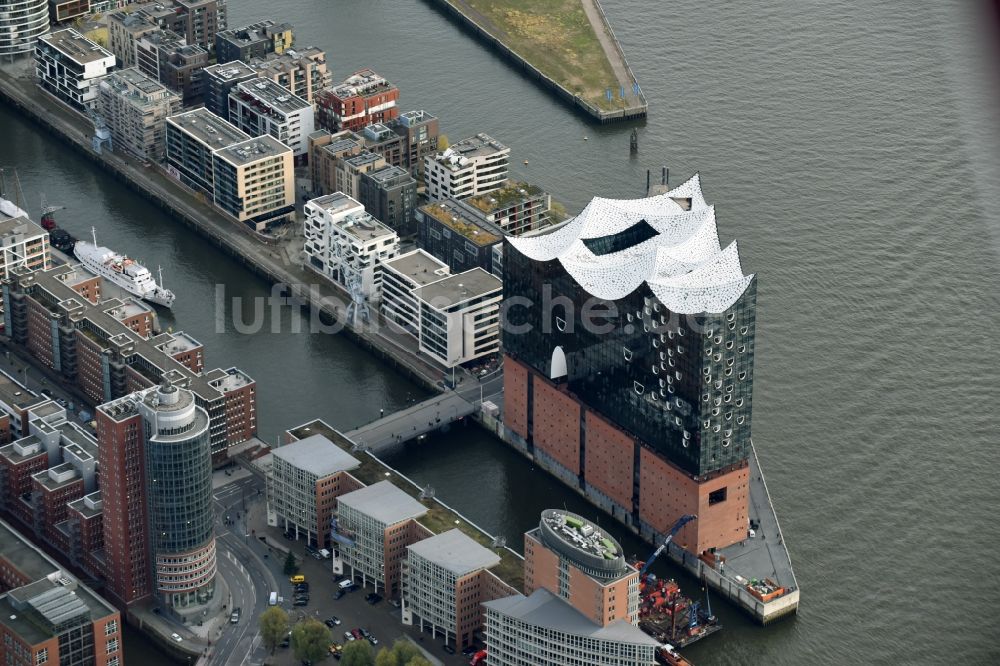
581,62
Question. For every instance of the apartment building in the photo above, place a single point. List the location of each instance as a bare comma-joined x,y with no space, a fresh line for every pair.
380,522
219,81
22,243
303,72
70,67
20,30
195,22
135,108
261,106
346,245
94,345
455,318
390,194
362,99
472,166
516,207
457,236
47,616
61,11
192,138
253,41
304,481
326,151
350,168
254,182
445,579
166,56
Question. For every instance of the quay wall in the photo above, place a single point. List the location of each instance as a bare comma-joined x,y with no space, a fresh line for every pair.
574,101
235,239
731,590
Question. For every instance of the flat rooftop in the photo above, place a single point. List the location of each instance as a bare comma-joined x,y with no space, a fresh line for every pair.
289,60
344,142
510,194
364,227
455,552
383,502
365,82
410,118
317,455
15,395
209,128
89,505
544,609
176,343
75,46
419,266
336,204
229,71
456,289
18,229
253,150
462,222
132,80
255,32
362,160
228,380
480,145
273,95
391,176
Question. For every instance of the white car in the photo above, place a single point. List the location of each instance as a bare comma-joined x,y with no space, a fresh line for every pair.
176,638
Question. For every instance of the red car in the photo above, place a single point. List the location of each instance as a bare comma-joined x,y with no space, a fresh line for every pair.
357,634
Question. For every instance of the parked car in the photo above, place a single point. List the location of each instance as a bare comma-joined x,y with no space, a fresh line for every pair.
338,594
364,632
447,648
330,623
302,587
395,603
286,641
349,636
357,634
372,640
176,637
334,619
373,598
300,602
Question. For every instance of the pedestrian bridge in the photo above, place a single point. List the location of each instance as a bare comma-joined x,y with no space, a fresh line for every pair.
392,431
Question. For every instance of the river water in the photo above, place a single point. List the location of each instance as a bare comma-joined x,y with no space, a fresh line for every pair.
851,152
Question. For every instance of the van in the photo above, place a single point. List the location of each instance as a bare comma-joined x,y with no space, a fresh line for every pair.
273,600
298,578
346,584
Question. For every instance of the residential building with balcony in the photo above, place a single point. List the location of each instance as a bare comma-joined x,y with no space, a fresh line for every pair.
303,483
457,236
472,166
195,22
346,245
192,137
303,72
350,168
135,108
400,278
516,207
445,580
261,106
390,194
21,26
326,151
219,81
254,182
362,99
70,67
22,243
61,11
253,41
380,522
167,57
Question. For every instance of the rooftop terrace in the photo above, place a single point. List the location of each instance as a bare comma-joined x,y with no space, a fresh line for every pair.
511,194
271,94
460,221
75,46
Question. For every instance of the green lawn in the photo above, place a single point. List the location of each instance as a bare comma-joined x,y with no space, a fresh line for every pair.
554,36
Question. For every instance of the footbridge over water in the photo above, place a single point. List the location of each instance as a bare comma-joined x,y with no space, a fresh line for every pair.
435,413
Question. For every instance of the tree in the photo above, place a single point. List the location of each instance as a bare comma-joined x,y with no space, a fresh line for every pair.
291,566
443,142
357,653
419,660
402,653
311,640
273,624
557,212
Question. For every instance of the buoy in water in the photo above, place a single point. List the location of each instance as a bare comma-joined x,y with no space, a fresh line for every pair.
584,138
525,161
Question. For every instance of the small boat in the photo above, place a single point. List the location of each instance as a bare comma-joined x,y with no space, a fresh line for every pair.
118,269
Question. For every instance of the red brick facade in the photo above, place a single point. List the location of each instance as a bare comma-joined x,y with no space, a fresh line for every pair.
515,396
610,463
557,424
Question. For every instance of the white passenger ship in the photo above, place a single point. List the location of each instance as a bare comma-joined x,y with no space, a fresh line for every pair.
127,273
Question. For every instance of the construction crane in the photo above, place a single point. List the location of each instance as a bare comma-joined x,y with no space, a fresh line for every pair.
681,522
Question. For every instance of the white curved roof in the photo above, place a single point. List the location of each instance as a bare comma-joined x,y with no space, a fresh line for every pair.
683,264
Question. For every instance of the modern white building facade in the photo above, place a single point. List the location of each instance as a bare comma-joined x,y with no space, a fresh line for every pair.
472,166
70,67
261,106
346,245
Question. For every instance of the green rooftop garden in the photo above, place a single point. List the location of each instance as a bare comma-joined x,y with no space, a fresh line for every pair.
472,232
505,197
438,518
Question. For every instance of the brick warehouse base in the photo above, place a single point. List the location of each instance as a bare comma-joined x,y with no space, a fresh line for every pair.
618,473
